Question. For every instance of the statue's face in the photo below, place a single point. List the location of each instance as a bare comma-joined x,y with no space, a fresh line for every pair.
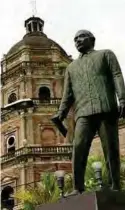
82,41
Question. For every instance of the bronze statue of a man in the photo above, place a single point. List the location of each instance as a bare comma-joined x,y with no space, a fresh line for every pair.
91,84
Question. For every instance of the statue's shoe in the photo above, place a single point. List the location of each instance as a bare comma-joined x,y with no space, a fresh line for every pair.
73,193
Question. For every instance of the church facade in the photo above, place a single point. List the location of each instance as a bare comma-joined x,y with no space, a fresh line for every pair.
32,69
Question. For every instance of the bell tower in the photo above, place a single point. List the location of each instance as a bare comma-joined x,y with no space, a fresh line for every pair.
32,84
34,24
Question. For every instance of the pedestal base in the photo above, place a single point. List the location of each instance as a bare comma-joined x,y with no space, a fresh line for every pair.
99,200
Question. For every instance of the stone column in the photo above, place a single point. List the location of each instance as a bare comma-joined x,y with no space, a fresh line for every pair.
22,177
2,98
39,131
29,83
22,87
38,29
32,29
27,30
2,145
22,129
17,137
30,136
30,174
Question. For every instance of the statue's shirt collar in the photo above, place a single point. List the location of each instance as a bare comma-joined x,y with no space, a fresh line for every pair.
88,52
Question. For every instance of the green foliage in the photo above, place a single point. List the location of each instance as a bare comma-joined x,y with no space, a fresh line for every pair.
62,65
68,183
47,191
44,192
90,182
123,173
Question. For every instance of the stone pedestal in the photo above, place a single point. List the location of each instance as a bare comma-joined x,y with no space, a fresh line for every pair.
99,200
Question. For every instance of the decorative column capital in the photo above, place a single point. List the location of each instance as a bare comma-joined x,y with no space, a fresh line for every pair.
22,113
30,110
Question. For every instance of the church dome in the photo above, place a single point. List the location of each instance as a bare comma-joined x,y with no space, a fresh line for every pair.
35,38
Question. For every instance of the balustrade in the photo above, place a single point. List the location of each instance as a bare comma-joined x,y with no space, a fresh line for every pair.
42,151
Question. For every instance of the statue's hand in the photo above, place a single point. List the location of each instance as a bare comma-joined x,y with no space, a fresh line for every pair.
57,120
122,111
57,117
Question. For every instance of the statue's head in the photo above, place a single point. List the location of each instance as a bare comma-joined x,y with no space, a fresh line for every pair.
84,40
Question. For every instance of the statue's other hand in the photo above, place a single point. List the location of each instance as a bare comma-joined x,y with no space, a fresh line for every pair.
122,111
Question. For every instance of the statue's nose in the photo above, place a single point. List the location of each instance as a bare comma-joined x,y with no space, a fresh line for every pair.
78,39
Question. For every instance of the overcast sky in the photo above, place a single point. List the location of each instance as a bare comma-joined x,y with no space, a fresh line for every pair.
105,18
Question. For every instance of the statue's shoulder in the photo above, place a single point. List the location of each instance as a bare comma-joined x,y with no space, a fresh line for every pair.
104,51
72,64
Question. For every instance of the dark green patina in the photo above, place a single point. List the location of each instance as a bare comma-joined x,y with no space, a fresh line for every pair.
91,84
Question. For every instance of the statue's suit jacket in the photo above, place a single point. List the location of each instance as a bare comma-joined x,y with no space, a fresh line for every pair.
91,84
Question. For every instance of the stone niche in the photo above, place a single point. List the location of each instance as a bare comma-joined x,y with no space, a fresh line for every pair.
48,136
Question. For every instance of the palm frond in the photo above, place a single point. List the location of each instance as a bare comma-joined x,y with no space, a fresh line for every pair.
47,190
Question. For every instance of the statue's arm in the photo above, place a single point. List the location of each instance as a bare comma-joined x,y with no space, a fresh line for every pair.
117,75
67,98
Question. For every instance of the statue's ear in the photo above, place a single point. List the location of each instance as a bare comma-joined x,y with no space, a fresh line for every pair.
92,39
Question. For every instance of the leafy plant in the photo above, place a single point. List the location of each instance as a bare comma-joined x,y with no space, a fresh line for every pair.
47,191
90,181
62,65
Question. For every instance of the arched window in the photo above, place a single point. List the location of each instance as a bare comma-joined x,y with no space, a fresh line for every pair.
6,197
12,97
44,94
11,144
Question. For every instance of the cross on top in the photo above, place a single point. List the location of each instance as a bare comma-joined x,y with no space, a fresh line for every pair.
33,5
